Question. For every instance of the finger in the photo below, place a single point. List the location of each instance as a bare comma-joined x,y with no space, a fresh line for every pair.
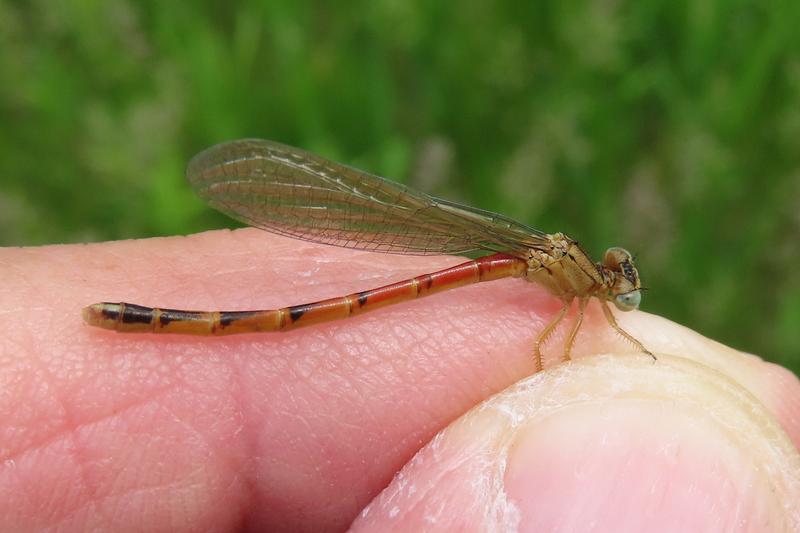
613,442
279,422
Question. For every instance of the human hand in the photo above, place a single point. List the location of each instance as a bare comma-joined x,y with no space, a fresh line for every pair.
301,430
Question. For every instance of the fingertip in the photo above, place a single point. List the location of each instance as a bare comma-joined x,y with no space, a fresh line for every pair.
782,397
614,441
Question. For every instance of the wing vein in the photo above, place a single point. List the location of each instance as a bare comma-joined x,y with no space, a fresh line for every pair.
291,192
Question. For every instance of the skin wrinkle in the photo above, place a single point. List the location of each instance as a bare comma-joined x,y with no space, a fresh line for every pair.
95,501
74,430
190,429
473,373
179,482
123,495
360,392
35,447
77,450
244,439
60,523
26,497
397,369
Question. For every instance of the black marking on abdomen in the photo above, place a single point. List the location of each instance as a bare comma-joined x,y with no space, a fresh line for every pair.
138,314
297,311
362,298
173,315
428,281
226,318
111,314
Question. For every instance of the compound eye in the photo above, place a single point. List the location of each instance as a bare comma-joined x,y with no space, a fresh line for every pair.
628,301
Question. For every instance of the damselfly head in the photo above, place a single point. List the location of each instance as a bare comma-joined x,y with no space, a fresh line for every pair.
625,291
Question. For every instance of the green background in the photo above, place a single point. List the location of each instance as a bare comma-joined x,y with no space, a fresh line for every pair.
668,127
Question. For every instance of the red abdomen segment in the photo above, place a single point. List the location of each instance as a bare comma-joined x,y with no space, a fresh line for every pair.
136,318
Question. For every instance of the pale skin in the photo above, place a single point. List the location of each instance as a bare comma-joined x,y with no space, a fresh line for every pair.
302,430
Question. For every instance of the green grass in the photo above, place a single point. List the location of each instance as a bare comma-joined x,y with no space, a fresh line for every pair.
667,127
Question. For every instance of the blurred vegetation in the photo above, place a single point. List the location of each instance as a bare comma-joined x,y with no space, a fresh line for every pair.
668,127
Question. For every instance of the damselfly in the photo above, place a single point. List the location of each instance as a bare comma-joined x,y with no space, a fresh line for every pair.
291,192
